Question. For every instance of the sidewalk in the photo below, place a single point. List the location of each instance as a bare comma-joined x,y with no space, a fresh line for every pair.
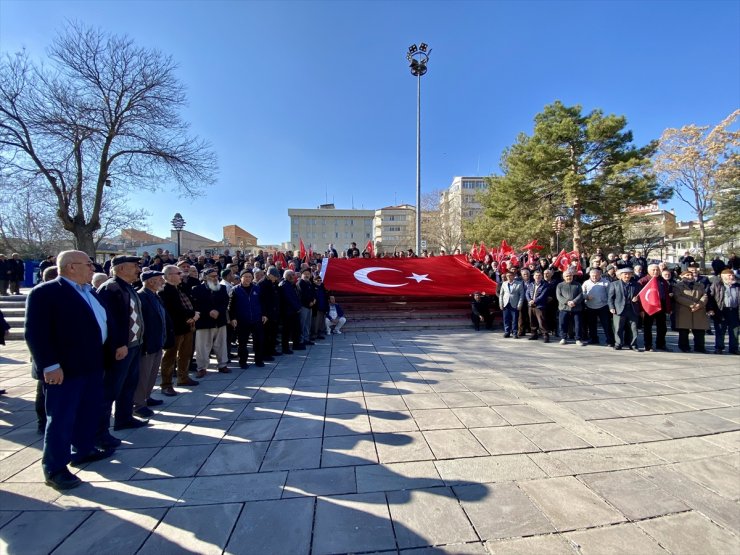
399,442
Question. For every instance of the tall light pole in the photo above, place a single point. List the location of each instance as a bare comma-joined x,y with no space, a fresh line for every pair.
178,223
418,58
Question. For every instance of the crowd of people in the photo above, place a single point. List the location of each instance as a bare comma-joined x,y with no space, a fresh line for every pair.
100,335
573,298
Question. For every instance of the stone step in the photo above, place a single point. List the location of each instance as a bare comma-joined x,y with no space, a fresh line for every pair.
11,303
14,311
406,325
15,334
15,321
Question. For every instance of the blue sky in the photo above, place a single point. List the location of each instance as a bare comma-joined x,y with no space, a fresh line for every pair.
312,101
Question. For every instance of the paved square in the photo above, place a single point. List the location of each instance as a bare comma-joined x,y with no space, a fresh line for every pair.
432,442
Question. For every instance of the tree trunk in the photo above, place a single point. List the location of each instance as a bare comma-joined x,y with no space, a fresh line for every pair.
84,240
577,242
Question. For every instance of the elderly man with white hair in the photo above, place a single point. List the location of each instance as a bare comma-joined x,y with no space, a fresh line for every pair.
570,303
658,318
211,301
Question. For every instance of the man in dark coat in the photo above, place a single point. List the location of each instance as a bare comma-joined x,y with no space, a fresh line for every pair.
625,308
123,349
68,357
158,333
480,311
270,302
16,273
245,313
180,309
290,310
211,301
659,318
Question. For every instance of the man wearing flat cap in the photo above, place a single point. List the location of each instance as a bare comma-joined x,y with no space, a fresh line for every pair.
691,299
158,334
211,300
123,348
624,304
724,304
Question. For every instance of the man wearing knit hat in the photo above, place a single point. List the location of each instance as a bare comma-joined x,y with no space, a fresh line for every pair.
211,300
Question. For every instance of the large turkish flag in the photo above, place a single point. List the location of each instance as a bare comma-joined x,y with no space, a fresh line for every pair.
438,276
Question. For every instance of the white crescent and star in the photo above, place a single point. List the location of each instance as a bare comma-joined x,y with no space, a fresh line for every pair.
363,275
647,295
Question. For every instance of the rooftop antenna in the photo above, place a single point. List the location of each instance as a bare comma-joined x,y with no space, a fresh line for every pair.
353,202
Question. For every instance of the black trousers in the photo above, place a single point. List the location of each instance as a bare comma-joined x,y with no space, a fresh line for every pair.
119,385
291,331
683,340
487,320
243,333
660,330
271,330
595,315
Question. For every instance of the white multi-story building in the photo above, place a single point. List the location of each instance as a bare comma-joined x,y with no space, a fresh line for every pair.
325,225
395,228
459,203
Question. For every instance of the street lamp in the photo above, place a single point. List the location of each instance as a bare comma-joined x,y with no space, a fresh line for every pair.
558,225
418,58
178,223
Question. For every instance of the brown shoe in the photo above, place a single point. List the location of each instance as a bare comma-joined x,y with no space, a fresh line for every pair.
169,391
201,373
224,370
189,382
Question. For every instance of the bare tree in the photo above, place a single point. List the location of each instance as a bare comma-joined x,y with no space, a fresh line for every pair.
445,227
104,113
700,164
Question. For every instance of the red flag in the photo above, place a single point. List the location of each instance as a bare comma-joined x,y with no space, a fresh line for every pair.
474,252
514,260
562,261
370,248
650,297
482,251
446,276
310,252
302,249
506,248
532,245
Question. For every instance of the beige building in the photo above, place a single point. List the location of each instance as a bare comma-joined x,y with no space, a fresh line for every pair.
458,204
327,225
395,228
235,236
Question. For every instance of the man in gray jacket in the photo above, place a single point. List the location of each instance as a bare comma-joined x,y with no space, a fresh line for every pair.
570,303
625,308
512,299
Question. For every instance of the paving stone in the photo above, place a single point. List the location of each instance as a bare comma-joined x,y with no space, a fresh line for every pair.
401,447
450,444
672,425
522,414
718,508
346,424
502,511
630,430
138,494
590,410
193,529
691,533
320,481
293,454
255,411
347,405
251,430
390,403
716,475
7,516
392,421
348,451
397,476
112,532
352,523
428,517
539,545
497,398
475,548
39,532
461,399
730,441
207,490
27,496
424,401
680,450
603,459
504,441
229,411
479,417
234,458
488,469
274,527
615,540
436,419
18,462
551,437
175,462
569,504
631,493
299,427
